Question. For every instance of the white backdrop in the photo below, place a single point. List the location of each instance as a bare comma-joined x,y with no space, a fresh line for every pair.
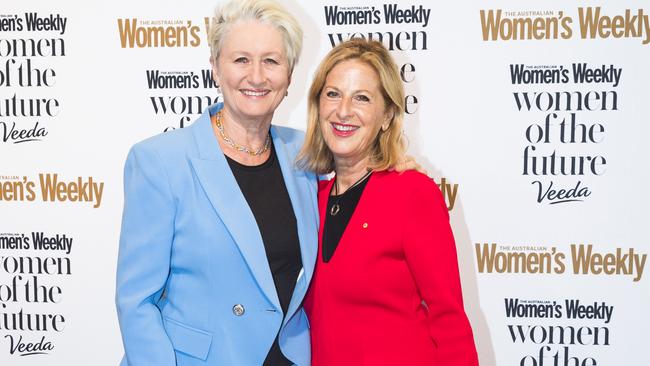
524,245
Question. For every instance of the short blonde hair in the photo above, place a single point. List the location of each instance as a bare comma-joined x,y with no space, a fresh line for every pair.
389,146
265,11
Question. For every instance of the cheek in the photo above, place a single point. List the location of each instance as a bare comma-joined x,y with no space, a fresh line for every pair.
378,117
327,108
282,78
215,73
215,78
323,126
221,79
322,112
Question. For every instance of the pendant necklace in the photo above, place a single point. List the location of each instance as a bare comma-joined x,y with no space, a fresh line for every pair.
336,207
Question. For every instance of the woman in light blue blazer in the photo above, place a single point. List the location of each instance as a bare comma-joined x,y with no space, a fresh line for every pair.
219,228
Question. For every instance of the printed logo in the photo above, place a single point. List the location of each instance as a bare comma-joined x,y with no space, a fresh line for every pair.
136,33
593,23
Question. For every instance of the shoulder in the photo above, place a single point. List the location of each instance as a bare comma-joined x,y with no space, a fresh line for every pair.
407,181
414,189
173,147
180,142
151,154
165,142
161,156
416,196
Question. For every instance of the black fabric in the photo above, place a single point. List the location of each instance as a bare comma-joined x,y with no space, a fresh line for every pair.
335,224
266,193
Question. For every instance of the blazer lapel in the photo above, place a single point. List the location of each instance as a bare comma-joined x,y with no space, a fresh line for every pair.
302,192
218,182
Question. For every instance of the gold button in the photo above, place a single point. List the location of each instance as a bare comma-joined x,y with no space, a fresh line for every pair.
365,225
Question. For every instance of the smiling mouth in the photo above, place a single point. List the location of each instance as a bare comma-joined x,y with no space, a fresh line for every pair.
254,93
343,129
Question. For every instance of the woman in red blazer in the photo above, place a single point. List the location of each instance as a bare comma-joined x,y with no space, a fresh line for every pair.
386,288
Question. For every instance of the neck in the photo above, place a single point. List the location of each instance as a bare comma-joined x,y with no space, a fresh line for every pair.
348,172
252,135
249,133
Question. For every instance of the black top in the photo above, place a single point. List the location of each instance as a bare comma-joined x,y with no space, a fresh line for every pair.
264,189
335,224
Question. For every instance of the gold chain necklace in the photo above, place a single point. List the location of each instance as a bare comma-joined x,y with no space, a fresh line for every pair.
238,147
336,207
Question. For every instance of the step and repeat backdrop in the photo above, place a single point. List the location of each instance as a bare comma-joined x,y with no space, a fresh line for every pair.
532,117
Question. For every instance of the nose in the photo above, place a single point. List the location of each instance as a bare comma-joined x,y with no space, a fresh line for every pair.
256,75
344,109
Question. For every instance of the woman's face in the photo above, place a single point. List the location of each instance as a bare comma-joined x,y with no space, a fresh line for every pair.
252,71
351,110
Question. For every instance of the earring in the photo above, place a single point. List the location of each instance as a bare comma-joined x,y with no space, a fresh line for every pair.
286,94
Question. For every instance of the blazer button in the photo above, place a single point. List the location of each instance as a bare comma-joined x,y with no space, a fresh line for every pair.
238,310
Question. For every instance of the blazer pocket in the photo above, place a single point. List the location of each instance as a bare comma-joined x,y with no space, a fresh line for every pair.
191,341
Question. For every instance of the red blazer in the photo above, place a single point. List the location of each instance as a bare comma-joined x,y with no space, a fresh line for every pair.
390,294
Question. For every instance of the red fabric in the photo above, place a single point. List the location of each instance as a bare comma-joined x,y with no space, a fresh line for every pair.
365,306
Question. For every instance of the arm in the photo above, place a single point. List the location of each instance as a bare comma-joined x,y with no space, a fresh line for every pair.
144,259
430,253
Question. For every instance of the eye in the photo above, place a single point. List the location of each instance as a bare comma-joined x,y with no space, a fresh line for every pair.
241,60
331,94
361,98
271,61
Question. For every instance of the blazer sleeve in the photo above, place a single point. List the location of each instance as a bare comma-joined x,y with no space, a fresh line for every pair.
144,259
430,253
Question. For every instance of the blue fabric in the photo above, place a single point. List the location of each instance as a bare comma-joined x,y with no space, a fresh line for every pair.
190,250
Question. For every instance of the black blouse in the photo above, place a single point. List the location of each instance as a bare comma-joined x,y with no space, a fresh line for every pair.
264,189
335,225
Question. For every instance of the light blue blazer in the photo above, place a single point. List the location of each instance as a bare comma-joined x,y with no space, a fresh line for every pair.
192,258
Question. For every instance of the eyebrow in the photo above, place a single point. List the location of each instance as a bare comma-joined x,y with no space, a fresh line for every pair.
245,53
353,92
